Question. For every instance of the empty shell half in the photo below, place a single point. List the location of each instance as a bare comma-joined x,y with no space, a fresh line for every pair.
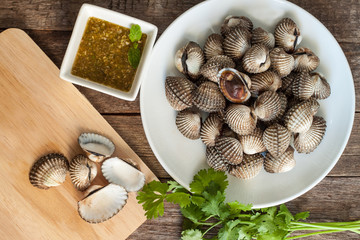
122,173
179,92
49,171
82,172
189,59
96,146
283,163
308,141
287,34
234,85
102,203
249,168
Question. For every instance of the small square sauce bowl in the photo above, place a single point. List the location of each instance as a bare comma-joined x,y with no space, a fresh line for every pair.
85,13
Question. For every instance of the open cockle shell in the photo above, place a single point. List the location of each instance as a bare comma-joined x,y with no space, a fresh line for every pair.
96,146
122,173
49,171
188,122
287,34
232,22
283,163
234,85
82,172
179,92
308,141
256,59
189,59
249,168
102,203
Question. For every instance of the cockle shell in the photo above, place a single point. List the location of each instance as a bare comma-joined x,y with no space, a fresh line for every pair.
215,160
287,83
260,36
188,122
249,168
213,46
96,146
211,129
267,106
308,141
287,35
276,139
212,67
322,88
256,59
232,22
226,131
82,172
281,62
265,81
209,98
283,104
236,43
49,171
303,86
117,171
305,60
299,117
240,118
179,92
234,85
189,59
102,203
229,148
283,163
253,143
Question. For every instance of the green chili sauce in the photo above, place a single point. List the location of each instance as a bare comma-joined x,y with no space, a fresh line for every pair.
103,55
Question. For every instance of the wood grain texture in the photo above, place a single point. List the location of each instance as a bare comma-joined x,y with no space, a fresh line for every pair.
41,113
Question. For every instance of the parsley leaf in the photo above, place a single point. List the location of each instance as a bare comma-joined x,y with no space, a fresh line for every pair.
134,55
152,198
135,33
191,234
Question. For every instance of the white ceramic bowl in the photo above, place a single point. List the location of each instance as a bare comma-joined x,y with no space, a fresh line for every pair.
182,158
87,11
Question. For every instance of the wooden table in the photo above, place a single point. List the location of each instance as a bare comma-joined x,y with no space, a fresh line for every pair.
50,22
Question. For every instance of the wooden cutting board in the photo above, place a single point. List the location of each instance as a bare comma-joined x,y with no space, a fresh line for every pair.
39,114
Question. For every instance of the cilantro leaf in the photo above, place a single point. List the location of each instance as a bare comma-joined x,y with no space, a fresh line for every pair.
236,207
230,230
134,55
209,180
214,205
276,235
135,33
301,215
183,199
175,186
152,198
191,234
193,213
284,211
197,200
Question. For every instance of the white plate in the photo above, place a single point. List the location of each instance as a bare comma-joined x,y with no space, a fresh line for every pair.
182,158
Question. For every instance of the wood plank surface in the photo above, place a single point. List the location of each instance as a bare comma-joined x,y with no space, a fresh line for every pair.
41,113
50,22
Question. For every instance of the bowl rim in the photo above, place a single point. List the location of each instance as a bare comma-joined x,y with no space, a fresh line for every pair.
270,203
89,10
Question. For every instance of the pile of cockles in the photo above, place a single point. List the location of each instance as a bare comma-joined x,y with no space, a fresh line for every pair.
261,93
100,203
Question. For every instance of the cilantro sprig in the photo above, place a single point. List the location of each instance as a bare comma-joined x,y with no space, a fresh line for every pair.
134,53
204,208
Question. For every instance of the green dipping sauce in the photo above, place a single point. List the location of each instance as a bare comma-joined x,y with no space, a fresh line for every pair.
103,55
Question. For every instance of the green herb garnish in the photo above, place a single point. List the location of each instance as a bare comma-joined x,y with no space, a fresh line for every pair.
204,208
134,53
